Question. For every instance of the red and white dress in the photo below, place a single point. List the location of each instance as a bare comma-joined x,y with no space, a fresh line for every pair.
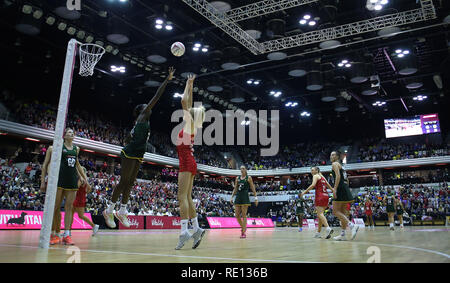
80,199
185,152
321,198
368,207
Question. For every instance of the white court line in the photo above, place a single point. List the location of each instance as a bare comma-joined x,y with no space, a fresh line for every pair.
167,255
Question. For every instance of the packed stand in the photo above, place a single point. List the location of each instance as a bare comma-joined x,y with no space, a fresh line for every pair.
292,156
380,150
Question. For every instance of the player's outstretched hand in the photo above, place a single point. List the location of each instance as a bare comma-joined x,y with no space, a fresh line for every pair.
171,72
191,78
256,202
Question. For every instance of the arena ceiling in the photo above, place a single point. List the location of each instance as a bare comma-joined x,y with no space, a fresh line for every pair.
308,74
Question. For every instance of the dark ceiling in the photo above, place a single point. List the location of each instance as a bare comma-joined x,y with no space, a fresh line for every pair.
35,62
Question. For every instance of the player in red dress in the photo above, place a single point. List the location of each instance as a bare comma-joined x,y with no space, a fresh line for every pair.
80,203
194,117
321,200
369,211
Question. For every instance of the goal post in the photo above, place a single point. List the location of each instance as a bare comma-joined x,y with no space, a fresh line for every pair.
88,59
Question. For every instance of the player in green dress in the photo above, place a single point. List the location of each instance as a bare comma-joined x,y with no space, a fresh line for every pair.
300,207
69,172
132,155
242,201
399,211
389,202
341,196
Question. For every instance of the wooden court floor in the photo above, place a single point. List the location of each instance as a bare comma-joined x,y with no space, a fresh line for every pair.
277,245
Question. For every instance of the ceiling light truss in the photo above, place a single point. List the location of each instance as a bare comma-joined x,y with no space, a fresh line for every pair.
220,20
225,22
374,24
263,8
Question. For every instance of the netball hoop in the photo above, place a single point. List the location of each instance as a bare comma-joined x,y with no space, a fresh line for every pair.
89,54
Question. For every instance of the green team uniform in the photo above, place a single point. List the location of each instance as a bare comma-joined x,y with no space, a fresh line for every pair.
399,209
390,204
300,206
135,149
68,175
343,193
242,197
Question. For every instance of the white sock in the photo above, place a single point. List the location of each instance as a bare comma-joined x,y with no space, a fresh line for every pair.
110,208
328,228
66,233
184,226
350,225
391,224
123,209
194,222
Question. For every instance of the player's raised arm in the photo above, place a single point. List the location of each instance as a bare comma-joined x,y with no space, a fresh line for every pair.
186,100
147,110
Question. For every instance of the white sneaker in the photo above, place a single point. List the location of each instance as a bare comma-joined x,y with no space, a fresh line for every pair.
329,232
340,238
354,231
317,235
184,237
109,219
123,218
198,235
95,230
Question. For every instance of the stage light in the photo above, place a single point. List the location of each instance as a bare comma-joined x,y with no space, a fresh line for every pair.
302,22
305,114
50,20
379,103
27,9
159,21
204,49
89,39
198,45
62,26
71,30
169,27
120,69
307,17
37,14
249,82
158,26
420,97
312,23
195,49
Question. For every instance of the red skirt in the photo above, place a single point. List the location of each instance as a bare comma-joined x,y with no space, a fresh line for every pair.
321,200
187,161
80,199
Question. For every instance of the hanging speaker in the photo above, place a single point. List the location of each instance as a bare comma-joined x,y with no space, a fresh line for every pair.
358,73
314,81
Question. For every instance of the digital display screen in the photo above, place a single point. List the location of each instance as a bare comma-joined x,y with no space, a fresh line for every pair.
412,126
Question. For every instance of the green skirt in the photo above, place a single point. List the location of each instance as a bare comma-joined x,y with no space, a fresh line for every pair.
242,198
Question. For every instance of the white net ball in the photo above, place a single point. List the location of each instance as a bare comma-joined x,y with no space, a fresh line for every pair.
177,49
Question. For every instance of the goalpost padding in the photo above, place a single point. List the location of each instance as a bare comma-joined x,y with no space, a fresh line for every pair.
55,162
